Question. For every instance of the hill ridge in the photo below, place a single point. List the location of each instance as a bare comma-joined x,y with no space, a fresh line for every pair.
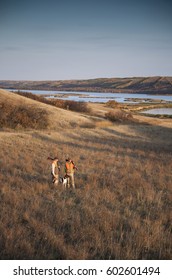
154,84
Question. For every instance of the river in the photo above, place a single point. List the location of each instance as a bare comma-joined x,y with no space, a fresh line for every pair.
159,111
101,97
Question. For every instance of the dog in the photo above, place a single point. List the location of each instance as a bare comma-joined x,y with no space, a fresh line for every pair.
64,181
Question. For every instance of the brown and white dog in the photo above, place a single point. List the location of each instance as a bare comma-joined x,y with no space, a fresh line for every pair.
64,181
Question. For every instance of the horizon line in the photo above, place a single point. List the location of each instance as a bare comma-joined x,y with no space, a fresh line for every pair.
85,79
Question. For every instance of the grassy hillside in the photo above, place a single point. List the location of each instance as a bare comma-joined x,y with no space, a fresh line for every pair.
18,111
155,85
121,207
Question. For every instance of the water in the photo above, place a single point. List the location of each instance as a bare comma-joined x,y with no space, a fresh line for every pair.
159,111
100,97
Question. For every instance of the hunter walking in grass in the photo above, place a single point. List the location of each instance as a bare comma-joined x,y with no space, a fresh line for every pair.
55,168
69,170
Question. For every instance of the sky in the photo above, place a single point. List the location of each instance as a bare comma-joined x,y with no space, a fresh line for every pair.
85,39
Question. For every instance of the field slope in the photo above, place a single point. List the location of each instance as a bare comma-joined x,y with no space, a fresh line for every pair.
121,207
56,117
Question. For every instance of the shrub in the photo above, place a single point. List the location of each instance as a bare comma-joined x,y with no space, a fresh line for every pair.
22,117
118,115
34,97
70,105
112,104
76,106
64,104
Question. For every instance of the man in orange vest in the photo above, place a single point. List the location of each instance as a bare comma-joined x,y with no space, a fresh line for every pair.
70,169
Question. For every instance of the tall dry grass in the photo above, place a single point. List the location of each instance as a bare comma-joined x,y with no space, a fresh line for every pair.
121,208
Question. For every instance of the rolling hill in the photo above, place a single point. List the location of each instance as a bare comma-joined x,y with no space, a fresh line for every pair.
56,117
156,85
120,208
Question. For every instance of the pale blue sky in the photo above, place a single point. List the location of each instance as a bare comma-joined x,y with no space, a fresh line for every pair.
72,39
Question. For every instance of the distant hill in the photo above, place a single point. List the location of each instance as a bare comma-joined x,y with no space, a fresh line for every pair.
155,85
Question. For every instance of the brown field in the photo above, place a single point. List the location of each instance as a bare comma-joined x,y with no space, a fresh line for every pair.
121,207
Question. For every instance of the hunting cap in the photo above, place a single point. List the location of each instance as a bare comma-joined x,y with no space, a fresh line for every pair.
68,158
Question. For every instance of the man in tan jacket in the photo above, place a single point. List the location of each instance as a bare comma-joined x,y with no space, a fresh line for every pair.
55,168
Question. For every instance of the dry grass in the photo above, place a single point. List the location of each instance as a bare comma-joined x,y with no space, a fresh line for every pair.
120,209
